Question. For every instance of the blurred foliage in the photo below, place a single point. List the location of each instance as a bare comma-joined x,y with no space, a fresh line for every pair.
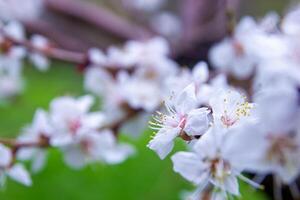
143,176
262,7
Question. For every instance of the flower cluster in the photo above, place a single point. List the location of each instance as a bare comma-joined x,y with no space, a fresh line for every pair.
131,79
69,126
13,54
243,117
226,134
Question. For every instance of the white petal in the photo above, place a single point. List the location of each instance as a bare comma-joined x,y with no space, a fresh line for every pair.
231,185
94,120
209,143
200,72
20,174
163,143
85,102
197,122
221,55
74,157
118,154
96,56
15,30
189,165
136,126
39,161
5,155
40,61
186,100
61,140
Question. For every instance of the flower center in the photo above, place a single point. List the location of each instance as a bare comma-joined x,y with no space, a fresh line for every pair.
220,169
238,48
74,125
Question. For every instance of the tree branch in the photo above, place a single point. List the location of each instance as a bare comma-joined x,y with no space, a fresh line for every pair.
99,17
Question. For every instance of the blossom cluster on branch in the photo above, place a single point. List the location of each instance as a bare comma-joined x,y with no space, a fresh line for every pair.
226,134
241,116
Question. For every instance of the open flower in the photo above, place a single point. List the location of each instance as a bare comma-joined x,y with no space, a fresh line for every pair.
212,162
39,132
231,55
184,118
275,138
16,172
96,146
39,60
71,117
229,108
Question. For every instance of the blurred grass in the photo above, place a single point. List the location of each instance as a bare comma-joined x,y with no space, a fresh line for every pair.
143,177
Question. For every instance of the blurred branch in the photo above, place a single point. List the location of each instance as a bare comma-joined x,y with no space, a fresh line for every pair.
45,28
100,17
52,52
204,21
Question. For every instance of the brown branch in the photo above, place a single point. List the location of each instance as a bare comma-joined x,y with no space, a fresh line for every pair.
48,29
15,145
204,22
52,52
99,17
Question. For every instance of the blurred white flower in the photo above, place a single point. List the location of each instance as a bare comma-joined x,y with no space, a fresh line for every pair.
16,172
96,57
70,118
39,131
140,93
14,29
272,151
167,24
11,82
290,23
144,5
96,146
21,10
249,44
39,60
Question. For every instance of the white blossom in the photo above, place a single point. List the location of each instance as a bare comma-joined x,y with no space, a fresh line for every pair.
183,117
39,60
96,146
229,107
212,162
39,131
16,171
70,118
